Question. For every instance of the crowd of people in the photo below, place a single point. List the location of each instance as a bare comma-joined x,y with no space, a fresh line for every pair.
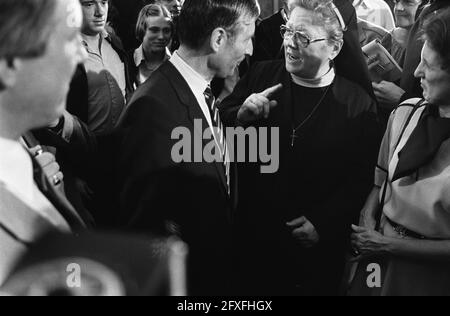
94,95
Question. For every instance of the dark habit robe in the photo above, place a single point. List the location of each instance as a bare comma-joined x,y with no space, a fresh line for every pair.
326,176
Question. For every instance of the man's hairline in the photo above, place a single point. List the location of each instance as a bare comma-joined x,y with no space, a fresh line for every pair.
245,19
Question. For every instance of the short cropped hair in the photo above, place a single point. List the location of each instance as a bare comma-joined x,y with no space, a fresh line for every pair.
199,18
155,10
436,31
325,16
25,27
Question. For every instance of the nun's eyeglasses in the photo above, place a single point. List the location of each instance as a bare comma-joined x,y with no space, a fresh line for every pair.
300,38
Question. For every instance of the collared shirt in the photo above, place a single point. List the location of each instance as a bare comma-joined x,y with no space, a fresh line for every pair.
106,86
16,174
144,72
198,85
375,11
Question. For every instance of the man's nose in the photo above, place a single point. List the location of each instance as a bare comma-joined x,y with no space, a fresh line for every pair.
100,10
399,6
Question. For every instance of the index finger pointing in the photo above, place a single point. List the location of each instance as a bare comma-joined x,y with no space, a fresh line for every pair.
298,222
270,91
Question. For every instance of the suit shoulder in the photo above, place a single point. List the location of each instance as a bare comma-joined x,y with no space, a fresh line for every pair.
155,99
158,85
149,106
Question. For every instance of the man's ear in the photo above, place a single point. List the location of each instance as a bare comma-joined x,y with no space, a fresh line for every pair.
218,39
8,73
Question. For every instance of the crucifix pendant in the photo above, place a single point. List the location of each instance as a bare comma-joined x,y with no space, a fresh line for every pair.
293,137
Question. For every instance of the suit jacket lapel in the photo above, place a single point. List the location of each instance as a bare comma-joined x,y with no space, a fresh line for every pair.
188,99
57,199
19,221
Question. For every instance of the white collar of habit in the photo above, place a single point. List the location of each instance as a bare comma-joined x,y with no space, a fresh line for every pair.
321,82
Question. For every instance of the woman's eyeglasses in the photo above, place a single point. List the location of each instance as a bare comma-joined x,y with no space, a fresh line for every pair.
300,38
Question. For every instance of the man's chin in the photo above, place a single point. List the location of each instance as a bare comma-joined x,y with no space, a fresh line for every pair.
226,74
96,29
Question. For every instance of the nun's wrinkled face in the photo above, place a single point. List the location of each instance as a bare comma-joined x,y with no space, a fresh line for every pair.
308,50
434,79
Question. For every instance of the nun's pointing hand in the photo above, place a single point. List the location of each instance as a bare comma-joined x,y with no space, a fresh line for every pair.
258,105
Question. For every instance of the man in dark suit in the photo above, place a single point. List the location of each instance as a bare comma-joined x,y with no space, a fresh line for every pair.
193,198
268,42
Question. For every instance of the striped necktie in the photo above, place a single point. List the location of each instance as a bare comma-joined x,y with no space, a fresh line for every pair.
218,132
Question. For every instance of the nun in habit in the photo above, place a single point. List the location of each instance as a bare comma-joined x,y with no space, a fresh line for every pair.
293,226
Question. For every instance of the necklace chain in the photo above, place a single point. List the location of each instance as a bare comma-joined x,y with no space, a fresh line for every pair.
295,129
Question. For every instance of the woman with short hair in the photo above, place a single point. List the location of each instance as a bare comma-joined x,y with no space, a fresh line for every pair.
412,247
154,30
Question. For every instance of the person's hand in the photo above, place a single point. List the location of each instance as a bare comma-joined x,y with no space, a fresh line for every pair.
368,242
304,232
258,105
388,92
372,63
48,163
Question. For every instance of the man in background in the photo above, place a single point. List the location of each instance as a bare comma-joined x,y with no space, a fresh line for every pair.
377,12
268,42
105,78
39,50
